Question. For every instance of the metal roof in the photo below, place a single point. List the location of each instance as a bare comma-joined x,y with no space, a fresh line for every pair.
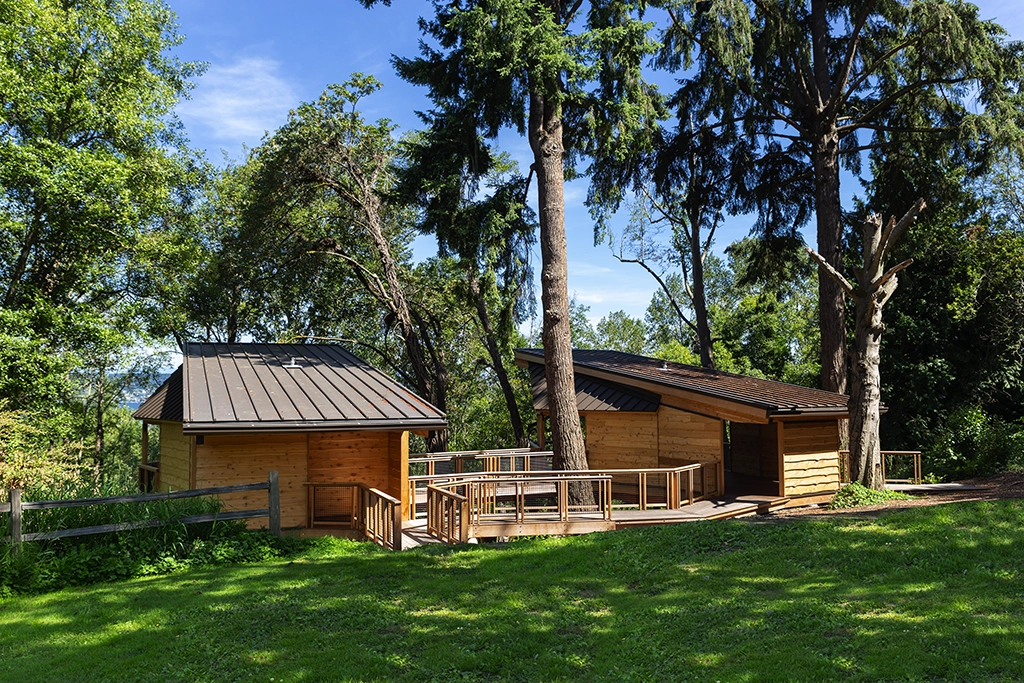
775,397
595,395
165,405
292,387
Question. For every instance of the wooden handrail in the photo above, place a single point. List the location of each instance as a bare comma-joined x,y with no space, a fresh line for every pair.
376,513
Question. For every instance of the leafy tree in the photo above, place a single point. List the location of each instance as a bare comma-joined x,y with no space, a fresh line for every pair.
566,77
94,175
817,83
618,331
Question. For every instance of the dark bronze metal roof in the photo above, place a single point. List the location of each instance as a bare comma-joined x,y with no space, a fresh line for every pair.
593,394
293,387
775,397
165,405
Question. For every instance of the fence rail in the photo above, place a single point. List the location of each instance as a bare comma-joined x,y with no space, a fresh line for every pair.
15,506
359,507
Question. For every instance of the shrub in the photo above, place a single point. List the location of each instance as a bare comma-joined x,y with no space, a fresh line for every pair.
855,495
975,443
51,565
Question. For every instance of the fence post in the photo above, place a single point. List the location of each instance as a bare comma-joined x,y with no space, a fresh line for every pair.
15,498
396,527
274,502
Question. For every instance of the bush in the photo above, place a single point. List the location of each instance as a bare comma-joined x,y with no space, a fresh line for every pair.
975,443
855,495
51,565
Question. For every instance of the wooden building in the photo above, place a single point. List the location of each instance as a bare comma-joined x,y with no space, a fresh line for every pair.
315,413
765,437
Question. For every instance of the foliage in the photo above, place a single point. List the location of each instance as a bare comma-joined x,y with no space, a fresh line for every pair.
56,564
28,455
974,442
923,594
856,495
95,179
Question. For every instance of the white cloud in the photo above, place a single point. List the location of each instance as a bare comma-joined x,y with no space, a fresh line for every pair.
238,102
577,269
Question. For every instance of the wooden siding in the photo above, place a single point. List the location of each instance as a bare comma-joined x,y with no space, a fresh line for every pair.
684,436
350,457
622,440
755,449
227,459
810,457
175,451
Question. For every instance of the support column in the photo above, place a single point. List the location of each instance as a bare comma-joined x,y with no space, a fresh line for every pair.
540,431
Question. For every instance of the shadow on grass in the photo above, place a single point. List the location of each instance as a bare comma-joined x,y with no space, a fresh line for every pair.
919,595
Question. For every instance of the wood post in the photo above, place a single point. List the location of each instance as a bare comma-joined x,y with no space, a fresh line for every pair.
540,430
15,498
274,502
144,458
397,517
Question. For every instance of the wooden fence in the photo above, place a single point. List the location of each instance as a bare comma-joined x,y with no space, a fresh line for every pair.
359,507
15,506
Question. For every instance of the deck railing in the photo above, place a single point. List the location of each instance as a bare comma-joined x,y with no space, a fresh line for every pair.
459,462
358,507
456,505
447,515
637,489
888,465
457,510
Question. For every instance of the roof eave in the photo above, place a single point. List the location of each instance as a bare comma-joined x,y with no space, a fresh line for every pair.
304,427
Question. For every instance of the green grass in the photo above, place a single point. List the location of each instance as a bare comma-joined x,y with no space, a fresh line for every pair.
918,595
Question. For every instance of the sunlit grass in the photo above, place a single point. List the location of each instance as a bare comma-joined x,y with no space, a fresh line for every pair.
918,595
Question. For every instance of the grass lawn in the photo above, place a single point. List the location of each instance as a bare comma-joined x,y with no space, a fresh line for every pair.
919,595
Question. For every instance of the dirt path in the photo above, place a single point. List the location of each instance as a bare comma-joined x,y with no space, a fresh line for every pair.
995,487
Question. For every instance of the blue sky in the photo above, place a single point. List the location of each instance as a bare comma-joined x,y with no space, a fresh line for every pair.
265,57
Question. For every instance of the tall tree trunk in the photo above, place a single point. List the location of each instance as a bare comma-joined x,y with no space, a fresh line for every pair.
497,362
866,396
831,302
545,131
700,304
874,286
399,305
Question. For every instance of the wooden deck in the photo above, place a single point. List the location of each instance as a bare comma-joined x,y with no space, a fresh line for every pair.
548,524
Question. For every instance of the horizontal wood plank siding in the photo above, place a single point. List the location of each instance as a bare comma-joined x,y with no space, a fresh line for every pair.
174,457
622,440
228,459
811,457
688,436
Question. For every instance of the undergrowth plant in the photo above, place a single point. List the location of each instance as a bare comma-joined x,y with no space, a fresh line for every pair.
855,495
54,564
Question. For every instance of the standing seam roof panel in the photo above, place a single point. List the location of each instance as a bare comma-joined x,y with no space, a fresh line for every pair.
372,380
355,394
241,397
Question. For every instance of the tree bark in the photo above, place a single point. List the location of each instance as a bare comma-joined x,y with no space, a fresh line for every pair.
874,286
831,301
545,133
497,362
700,304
